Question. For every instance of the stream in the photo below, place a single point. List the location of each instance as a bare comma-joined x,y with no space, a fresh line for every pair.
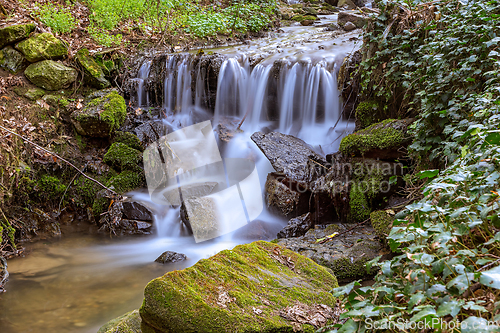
81,280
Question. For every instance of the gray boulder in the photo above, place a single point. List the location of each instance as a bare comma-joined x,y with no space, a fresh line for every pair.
346,255
297,226
11,60
170,257
50,75
287,154
359,21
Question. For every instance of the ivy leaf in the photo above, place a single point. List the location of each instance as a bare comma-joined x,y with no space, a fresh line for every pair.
461,283
452,308
415,300
493,138
428,174
349,327
491,278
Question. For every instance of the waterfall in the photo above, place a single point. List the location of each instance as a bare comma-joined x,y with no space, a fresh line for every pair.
142,77
299,97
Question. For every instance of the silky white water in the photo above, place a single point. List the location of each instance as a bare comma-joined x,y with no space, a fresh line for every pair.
80,281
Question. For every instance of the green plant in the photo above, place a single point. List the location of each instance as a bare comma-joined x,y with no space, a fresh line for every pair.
446,271
58,18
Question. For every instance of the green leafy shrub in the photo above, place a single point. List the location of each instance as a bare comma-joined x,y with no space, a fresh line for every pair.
58,18
449,242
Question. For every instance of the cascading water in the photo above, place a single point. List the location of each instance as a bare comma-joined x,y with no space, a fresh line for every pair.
285,83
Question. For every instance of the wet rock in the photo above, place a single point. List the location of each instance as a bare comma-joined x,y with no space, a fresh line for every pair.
4,274
349,4
136,211
345,255
297,226
133,227
128,323
244,288
15,33
170,257
257,230
189,191
101,116
287,154
349,81
307,22
280,196
93,73
50,75
383,140
349,26
11,60
116,222
200,217
43,47
356,20
150,132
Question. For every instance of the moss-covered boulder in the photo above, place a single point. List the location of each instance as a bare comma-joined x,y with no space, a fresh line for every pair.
15,33
371,182
130,139
127,181
93,73
256,287
122,157
43,47
50,75
382,140
367,113
34,94
382,223
128,323
101,116
358,20
345,255
11,60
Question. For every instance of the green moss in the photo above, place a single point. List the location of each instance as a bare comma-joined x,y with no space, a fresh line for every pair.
122,157
365,186
84,191
300,18
189,300
367,113
128,323
100,206
6,227
101,116
50,187
127,181
358,203
382,135
114,110
129,139
42,47
94,74
56,101
382,223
